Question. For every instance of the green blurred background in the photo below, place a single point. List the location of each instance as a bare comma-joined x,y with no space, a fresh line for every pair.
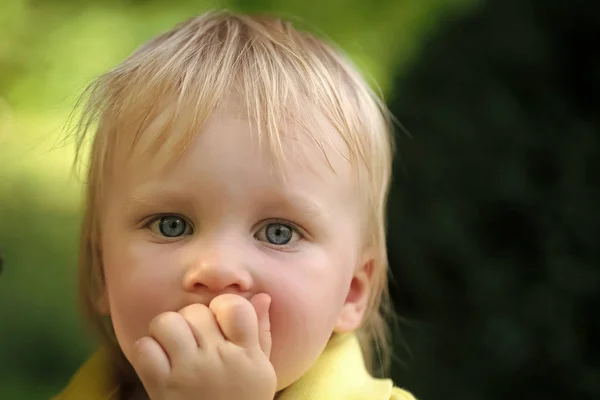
494,226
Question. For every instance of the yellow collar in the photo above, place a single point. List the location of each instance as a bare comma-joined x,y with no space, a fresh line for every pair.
339,373
91,381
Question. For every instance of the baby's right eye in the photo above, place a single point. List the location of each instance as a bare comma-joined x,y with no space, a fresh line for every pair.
170,226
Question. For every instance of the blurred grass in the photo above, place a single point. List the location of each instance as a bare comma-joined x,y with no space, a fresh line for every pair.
49,51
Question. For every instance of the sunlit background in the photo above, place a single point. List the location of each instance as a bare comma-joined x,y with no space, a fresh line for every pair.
494,228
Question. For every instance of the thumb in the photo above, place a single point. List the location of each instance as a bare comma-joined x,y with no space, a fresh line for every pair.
261,303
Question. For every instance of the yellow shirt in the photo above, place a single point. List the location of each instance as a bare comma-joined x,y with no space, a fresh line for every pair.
338,374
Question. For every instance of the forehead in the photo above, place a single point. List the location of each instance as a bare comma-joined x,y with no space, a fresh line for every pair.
226,167
226,174
292,149
297,140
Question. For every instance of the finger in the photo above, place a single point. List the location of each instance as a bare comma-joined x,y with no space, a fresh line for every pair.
150,362
237,319
173,333
262,303
203,324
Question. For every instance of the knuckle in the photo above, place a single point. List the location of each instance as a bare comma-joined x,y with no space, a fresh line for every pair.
229,300
164,320
194,310
228,351
233,303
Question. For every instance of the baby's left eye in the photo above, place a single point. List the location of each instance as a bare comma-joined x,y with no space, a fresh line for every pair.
278,234
171,226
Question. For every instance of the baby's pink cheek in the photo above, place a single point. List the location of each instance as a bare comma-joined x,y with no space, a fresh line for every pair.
134,309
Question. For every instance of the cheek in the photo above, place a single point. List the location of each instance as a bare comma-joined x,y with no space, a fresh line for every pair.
307,296
137,269
137,286
307,288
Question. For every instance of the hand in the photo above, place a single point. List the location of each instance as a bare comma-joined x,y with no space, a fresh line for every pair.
219,352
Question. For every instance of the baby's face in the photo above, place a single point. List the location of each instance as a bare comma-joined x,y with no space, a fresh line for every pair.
220,221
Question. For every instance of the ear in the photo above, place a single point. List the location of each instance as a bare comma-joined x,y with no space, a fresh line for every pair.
357,300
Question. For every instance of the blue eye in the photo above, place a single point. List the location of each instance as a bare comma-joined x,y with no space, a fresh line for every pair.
170,226
277,233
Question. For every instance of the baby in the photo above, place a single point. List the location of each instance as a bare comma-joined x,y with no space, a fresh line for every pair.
233,243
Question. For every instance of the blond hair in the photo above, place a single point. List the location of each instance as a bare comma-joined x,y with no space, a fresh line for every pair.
157,100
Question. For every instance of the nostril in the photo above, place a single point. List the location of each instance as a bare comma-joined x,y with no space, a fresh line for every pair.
218,287
216,278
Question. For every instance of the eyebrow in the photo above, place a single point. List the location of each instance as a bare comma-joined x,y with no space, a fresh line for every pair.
153,196
303,204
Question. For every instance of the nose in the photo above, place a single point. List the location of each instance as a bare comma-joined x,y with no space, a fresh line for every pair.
217,269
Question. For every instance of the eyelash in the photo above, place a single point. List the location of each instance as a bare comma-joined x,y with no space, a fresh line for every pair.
264,224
